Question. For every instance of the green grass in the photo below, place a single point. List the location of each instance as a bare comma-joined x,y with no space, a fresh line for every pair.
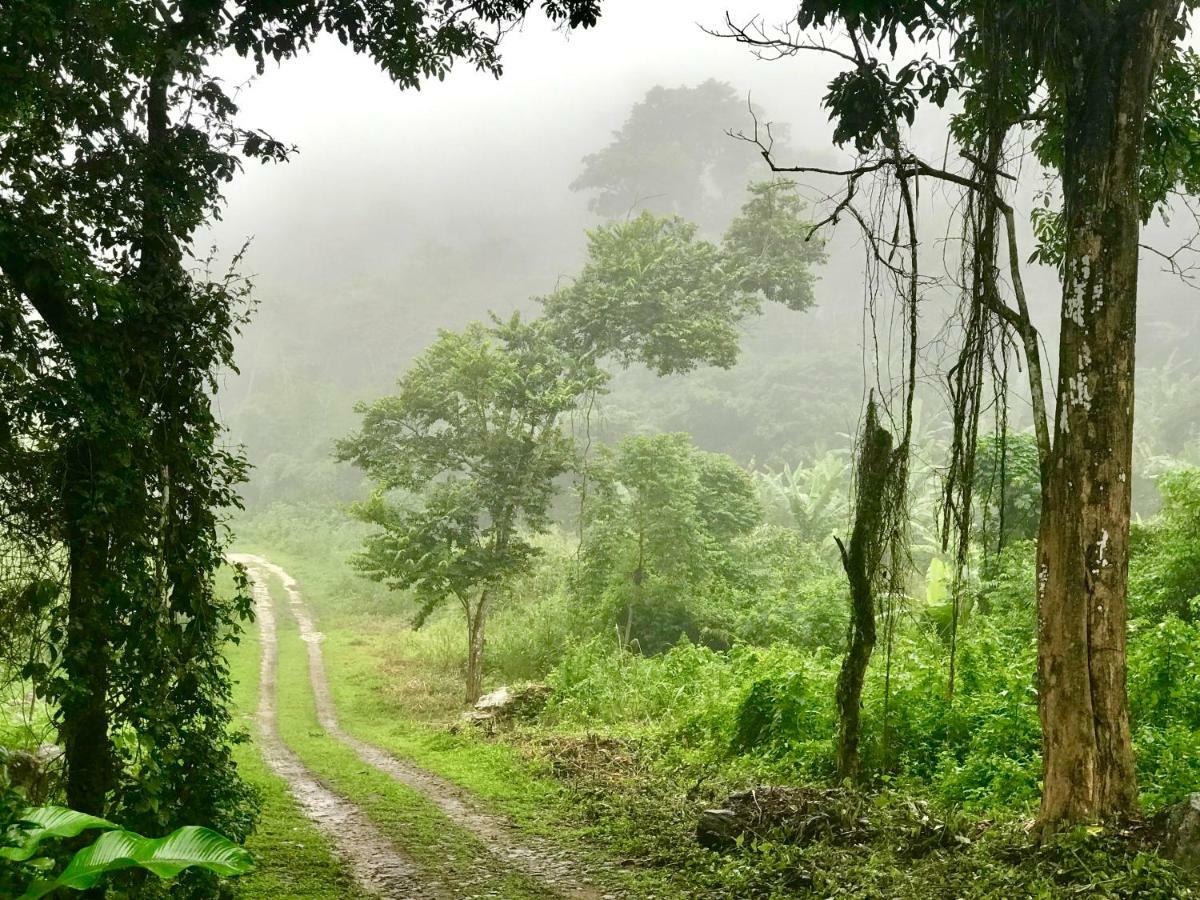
643,816
363,685
374,695
293,859
372,692
398,690
415,825
511,777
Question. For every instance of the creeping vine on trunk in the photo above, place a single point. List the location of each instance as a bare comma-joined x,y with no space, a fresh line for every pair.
1084,79
867,561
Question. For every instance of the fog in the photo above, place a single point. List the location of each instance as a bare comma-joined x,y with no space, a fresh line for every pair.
407,211
475,159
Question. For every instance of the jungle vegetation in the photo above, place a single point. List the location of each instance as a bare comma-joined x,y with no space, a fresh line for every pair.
898,549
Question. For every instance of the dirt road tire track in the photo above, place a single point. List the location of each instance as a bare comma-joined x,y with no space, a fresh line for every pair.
376,864
553,869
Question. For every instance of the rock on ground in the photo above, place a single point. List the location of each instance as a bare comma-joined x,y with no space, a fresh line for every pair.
1178,830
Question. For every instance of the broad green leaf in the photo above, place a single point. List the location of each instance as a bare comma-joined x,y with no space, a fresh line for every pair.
166,857
47,822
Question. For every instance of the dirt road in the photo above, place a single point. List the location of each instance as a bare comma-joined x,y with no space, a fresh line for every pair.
374,861
379,867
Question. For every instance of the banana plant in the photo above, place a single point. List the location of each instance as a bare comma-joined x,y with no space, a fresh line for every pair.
810,499
116,849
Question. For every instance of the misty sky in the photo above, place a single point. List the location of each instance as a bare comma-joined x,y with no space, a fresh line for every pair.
379,168
382,172
471,176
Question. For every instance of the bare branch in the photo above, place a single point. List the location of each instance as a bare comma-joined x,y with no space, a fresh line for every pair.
1186,269
779,42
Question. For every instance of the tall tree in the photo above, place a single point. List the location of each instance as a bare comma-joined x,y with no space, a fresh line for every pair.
1100,69
654,292
97,196
472,442
1093,79
116,143
672,155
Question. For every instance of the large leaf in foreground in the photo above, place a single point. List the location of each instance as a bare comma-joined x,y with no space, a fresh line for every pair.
45,822
166,857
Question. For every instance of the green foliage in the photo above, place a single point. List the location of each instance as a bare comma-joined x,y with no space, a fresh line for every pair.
1164,687
37,824
771,246
1171,155
188,847
475,438
474,432
659,519
1170,160
771,711
1006,67
867,103
538,616
116,141
788,589
814,499
673,154
652,292
787,714
633,746
1007,488
1164,646
792,396
114,851
593,685
1165,573
919,851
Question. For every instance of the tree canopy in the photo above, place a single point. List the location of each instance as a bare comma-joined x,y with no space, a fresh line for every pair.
672,155
473,440
116,142
653,292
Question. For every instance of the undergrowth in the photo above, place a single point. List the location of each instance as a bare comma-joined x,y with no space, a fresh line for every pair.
629,748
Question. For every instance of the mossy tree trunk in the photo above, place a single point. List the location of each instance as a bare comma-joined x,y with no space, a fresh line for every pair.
84,701
863,560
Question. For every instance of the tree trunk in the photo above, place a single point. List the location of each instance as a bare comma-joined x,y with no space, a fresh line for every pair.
476,622
862,561
639,576
854,668
84,703
1083,542
96,542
